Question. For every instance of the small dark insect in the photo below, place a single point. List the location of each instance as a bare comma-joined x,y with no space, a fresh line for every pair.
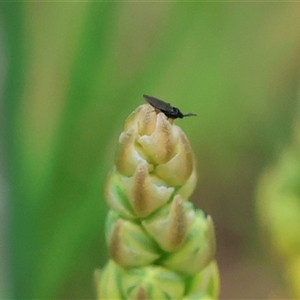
166,108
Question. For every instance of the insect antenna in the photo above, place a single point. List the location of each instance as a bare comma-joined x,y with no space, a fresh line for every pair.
190,115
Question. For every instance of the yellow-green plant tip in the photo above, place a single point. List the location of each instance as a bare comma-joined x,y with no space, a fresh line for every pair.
169,226
293,274
129,244
198,250
278,208
278,205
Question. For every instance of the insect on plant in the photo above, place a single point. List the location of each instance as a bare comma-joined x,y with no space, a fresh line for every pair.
170,111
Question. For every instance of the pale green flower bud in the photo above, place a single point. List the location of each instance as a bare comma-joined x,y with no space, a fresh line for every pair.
129,244
138,195
152,138
198,249
169,225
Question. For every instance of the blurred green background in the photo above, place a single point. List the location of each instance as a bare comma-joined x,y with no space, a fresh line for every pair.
70,75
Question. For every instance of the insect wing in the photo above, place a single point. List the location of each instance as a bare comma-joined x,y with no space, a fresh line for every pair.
159,104
166,108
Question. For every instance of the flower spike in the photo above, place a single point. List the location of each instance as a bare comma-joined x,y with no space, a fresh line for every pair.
160,246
